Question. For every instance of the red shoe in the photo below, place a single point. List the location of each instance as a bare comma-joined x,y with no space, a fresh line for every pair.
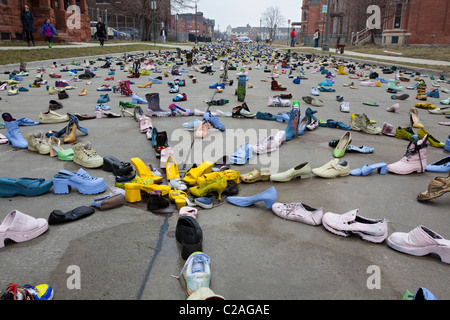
108,79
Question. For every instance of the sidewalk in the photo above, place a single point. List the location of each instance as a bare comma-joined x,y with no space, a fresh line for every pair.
396,58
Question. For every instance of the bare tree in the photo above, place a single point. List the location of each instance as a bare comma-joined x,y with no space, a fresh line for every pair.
141,10
272,18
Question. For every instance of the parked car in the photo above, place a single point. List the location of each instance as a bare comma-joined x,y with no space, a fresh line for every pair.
134,33
243,40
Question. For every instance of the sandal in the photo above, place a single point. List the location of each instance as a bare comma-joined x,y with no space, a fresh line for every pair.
256,175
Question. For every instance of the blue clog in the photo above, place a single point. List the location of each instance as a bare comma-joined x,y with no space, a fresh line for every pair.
269,197
103,98
28,187
442,165
81,180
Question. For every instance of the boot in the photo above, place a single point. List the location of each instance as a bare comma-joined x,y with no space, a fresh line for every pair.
125,89
292,127
392,84
388,130
414,160
341,70
421,91
153,108
13,133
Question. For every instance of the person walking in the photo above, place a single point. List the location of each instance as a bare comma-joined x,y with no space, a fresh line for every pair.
293,37
28,24
316,38
163,34
101,31
48,31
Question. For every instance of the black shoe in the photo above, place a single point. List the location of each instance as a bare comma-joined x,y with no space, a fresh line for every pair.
57,216
55,105
157,203
117,167
189,234
63,95
161,143
231,189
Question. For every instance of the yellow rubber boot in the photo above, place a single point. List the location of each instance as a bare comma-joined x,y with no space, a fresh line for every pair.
133,190
341,70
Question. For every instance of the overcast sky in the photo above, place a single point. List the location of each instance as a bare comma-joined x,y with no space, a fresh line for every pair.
238,13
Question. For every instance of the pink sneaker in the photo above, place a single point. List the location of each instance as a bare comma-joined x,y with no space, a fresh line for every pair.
351,223
420,242
21,227
298,212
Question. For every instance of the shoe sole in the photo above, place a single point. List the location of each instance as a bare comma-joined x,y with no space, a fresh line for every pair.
442,252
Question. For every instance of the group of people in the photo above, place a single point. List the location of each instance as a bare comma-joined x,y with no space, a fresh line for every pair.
316,38
48,30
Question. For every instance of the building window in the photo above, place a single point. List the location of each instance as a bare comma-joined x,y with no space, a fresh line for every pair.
398,16
394,39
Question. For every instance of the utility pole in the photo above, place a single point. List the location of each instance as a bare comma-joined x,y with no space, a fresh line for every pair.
153,6
196,35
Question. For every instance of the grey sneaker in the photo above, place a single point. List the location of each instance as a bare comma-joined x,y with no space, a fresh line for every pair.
362,123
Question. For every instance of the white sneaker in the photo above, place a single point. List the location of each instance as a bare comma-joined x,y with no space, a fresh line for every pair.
372,230
298,212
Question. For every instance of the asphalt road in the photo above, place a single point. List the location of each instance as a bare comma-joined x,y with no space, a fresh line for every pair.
129,253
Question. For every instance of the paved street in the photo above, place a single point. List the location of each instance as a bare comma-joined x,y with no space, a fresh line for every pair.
129,253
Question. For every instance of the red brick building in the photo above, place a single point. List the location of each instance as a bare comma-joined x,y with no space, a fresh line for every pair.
417,22
414,22
56,10
186,23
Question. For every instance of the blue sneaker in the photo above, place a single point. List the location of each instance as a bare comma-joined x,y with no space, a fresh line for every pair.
214,121
102,107
204,202
314,91
80,180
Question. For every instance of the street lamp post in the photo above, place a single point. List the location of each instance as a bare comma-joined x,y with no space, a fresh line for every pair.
153,6
176,27
196,36
326,44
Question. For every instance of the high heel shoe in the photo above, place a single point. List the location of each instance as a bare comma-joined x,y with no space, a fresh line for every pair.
218,185
123,110
365,170
70,135
414,118
133,190
56,151
309,114
148,84
342,145
269,197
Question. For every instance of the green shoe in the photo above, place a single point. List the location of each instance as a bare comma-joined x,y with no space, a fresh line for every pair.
126,104
404,133
66,154
370,103
408,295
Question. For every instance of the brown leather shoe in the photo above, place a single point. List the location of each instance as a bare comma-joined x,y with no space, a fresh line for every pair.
437,187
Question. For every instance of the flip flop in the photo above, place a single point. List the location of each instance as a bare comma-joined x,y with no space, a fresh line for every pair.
371,103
